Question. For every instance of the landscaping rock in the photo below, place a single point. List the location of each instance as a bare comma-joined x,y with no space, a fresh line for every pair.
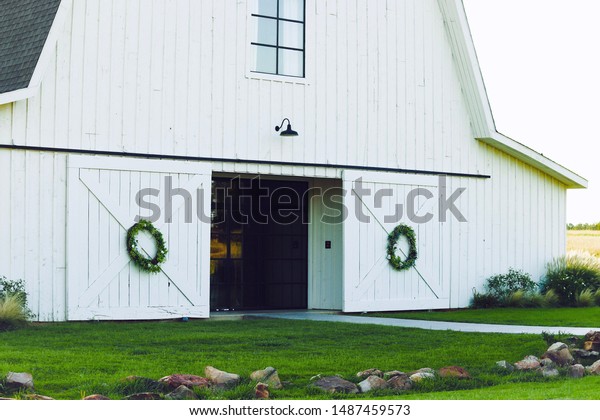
182,393
143,396
594,369
424,370
547,363
369,372
261,391
392,373
372,383
559,353
19,381
549,372
96,397
528,363
576,371
335,384
592,336
580,353
505,365
268,376
421,376
400,382
454,372
191,381
221,379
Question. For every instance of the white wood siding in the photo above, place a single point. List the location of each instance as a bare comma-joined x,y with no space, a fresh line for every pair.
170,77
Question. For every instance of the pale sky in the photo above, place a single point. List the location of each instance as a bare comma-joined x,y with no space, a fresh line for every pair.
540,60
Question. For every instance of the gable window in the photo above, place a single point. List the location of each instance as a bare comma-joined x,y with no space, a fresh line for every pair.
279,40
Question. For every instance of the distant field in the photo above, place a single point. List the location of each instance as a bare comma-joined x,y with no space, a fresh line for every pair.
584,240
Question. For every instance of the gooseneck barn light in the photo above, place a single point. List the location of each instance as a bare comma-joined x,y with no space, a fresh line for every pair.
288,131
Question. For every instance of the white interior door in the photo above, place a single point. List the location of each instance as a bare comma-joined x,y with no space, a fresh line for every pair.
373,203
105,195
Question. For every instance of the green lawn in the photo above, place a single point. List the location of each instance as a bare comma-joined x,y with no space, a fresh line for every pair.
75,359
552,317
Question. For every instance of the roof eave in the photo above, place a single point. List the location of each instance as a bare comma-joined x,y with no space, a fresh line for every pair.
536,160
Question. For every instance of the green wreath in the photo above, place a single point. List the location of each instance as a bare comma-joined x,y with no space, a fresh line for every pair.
395,261
144,263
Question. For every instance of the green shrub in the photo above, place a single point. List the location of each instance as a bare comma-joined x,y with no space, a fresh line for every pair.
551,299
585,299
483,300
570,275
523,299
14,312
597,297
503,285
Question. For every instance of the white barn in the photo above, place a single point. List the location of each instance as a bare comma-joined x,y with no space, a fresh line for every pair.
102,99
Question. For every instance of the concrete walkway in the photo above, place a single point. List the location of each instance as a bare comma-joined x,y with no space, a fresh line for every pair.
425,325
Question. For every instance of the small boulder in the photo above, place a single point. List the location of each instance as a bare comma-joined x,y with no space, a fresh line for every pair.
335,384
268,376
421,376
592,336
261,391
424,370
576,371
143,396
369,372
392,373
528,363
372,383
594,369
400,382
182,393
549,372
190,381
580,353
221,379
19,381
96,397
503,364
454,372
547,363
559,353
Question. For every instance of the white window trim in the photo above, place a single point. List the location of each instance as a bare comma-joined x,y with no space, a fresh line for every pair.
308,47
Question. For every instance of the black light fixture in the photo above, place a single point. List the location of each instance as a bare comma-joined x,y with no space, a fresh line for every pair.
288,131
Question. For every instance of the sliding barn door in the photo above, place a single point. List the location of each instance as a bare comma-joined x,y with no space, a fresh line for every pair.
104,198
376,203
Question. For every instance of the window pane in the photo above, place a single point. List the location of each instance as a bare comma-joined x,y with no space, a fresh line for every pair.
267,31
291,9
291,35
267,7
266,59
291,63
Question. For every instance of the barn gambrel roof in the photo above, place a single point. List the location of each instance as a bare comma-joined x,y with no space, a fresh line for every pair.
29,30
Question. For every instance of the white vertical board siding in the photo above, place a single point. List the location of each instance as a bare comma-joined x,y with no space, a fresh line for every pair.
376,203
32,222
102,281
325,265
171,77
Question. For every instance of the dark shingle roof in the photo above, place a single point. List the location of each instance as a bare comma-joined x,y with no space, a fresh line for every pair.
24,28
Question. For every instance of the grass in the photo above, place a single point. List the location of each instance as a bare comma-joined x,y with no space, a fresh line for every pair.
584,240
12,313
76,359
551,317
